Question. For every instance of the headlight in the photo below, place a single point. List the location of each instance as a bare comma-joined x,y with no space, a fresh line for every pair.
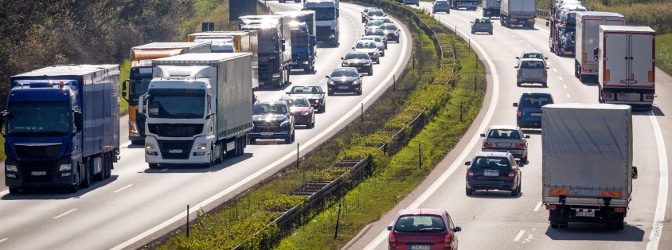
200,146
367,63
330,82
11,168
285,123
305,113
65,167
345,64
149,145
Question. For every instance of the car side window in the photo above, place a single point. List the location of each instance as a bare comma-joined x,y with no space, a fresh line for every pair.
450,221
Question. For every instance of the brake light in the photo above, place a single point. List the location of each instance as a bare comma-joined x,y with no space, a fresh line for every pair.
520,71
520,145
512,174
648,97
391,241
487,144
551,207
447,241
619,209
470,173
519,113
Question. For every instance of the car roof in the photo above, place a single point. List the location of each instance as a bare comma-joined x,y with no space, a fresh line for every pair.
356,52
492,154
535,93
424,211
345,68
513,127
532,59
270,102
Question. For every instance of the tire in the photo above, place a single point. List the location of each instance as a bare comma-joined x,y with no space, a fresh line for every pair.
312,124
515,191
555,226
137,142
14,190
518,84
524,159
330,93
322,108
153,165
370,72
359,92
545,85
288,139
469,191
73,188
87,177
253,141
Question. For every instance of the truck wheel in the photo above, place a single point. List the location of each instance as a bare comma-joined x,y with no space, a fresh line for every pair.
469,191
137,142
555,226
14,190
73,188
87,178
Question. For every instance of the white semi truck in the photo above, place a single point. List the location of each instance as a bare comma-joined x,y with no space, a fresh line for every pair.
626,58
587,32
198,108
586,165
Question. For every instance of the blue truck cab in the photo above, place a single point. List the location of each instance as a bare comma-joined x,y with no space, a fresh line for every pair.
62,127
303,42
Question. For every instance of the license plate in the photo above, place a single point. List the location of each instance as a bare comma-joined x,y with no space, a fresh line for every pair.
266,133
585,213
489,172
501,144
294,63
532,76
38,173
628,96
175,151
420,247
343,87
535,114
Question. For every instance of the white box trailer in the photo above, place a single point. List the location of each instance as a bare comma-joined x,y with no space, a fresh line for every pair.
586,165
627,64
587,32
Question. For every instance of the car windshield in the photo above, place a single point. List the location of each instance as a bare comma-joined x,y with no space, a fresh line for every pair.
356,56
504,133
377,32
533,55
420,223
376,13
304,89
268,108
366,45
532,101
372,38
298,102
388,26
374,23
344,73
499,163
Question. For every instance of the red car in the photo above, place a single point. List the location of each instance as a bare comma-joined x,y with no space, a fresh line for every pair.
423,229
303,112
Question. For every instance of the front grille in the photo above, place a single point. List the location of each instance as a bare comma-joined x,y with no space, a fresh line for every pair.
175,149
176,130
48,151
29,167
267,126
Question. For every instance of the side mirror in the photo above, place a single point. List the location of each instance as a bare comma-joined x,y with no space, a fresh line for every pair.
79,121
125,87
515,67
457,229
596,52
547,23
287,92
634,172
517,57
342,58
328,77
547,67
527,136
467,163
353,47
515,104
482,135
389,228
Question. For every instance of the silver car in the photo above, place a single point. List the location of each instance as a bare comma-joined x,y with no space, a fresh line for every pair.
503,138
531,70
379,41
369,47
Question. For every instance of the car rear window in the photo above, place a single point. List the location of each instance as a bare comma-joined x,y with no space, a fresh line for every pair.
532,65
535,101
491,163
420,223
504,133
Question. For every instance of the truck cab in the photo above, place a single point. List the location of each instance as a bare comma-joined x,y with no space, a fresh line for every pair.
326,16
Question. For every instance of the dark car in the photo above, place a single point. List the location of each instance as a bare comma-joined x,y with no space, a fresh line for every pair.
374,14
423,229
272,120
441,6
344,79
303,112
366,11
531,70
493,171
315,95
481,24
359,60
391,31
503,138
377,32
528,114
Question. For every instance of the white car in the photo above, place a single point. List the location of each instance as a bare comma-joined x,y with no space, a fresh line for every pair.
370,48
379,41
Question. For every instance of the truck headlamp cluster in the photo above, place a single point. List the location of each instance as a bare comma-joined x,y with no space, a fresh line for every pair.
11,168
65,167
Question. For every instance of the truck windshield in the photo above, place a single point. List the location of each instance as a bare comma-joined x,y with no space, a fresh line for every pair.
324,14
176,103
299,38
38,118
139,79
268,41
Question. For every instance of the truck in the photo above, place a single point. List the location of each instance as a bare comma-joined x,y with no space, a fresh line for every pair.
587,32
629,53
62,127
326,17
562,34
518,12
491,8
234,41
466,4
274,59
586,163
141,73
303,39
198,109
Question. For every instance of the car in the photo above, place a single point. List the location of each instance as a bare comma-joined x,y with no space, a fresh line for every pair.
531,70
423,228
441,6
481,24
493,171
379,42
344,79
377,32
385,19
391,31
272,119
315,95
505,138
373,24
532,54
359,60
365,11
369,47
303,112
374,14
412,2
529,106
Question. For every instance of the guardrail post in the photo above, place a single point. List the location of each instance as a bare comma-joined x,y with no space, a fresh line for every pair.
338,219
187,221
297,155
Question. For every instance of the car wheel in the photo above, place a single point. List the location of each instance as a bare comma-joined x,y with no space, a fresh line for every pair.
518,84
515,191
545,85
469,191
323,108
359,92
312,124
330,93
153,165
14,190
472,32
524,159
370,72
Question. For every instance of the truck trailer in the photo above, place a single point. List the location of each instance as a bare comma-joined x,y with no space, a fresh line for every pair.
464,4
586,163
326,17
141,74
491,8
518,12
562,34
626,59
62,127
304,42
198,108
587,32
275,51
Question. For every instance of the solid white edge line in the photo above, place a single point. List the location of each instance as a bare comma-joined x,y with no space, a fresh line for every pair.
461,158
659,217
519,235
315,139
66,213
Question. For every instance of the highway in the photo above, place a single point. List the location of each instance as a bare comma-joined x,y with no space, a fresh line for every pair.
138,204
495,220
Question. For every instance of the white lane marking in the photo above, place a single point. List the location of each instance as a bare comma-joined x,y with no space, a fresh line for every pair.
519,235
567,95
66,213
3,240
564,86
555,70
318,138
560,77
537,207
121,189
659,217
464,154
